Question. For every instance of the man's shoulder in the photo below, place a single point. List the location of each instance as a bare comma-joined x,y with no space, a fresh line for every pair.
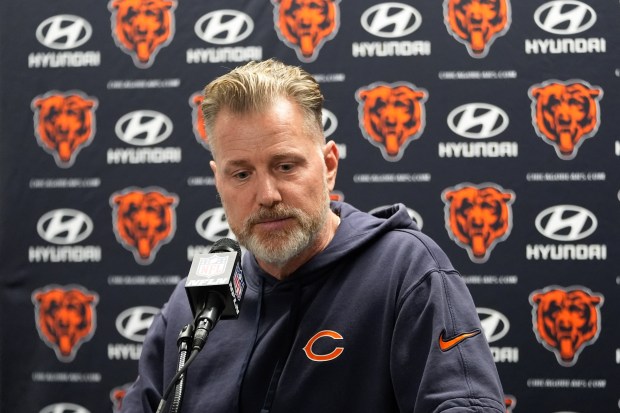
413,244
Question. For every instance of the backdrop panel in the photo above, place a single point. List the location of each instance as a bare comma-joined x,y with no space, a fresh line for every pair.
493,122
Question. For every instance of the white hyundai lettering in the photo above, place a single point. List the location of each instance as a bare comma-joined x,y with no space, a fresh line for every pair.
494,324
64,408
565,17
477,120
133,323
391,20
330,122
212,225
64,226
143,128
63,32
566,223
224,27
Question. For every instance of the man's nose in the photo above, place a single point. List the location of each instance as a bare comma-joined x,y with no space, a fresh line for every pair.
267,192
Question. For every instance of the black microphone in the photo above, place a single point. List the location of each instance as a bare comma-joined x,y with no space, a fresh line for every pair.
215,286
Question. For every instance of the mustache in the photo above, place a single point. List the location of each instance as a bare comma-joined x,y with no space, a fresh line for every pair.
277,212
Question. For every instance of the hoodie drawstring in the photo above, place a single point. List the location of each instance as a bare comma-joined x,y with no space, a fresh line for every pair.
293,322
248,356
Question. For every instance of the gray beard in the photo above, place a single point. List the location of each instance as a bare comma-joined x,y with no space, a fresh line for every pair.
279,248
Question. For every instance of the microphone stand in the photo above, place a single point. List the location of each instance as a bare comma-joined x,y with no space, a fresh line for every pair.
184,344
196,335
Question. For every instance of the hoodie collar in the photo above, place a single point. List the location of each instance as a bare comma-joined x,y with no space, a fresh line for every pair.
356,229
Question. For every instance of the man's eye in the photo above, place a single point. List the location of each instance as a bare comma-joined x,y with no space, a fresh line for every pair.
241,176
286,167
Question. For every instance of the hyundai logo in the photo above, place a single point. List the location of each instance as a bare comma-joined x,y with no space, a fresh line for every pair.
63,32
224,27
133,323
391,20
64,226
494,324
477,120
330,122
414,215
212,225
64,408
566,223
143,128
565,17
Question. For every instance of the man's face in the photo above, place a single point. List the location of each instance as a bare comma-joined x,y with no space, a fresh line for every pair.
274,181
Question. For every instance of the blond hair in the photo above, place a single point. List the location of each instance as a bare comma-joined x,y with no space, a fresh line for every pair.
256,85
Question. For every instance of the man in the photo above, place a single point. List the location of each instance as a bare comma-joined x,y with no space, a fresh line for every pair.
344,311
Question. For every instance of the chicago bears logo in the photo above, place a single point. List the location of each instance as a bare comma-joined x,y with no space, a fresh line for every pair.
391,116
142,27
477,23
566,320
337,196
305,25
144,220
117,395
510,402
198,120
64,123
565,114
322,355
65,318
478,217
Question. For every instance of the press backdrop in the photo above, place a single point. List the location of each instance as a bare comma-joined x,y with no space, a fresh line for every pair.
494,122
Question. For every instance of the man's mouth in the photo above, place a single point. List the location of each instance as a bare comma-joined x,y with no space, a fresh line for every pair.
273,224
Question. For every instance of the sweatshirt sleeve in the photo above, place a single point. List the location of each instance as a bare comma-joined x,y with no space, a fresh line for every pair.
440,359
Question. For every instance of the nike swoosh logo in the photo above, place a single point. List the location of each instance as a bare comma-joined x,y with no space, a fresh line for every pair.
446,345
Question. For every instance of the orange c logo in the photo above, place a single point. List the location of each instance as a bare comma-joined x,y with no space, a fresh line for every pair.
323,357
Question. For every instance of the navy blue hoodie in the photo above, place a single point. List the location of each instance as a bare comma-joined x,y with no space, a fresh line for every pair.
364,326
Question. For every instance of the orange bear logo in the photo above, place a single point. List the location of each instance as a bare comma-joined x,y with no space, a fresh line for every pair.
64,123
117,395
144,220
565,114
565,320
477,23
65,318
198,120
142,27
478,217
305,25
391,116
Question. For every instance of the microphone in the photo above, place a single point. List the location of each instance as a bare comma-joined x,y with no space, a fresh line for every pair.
215,285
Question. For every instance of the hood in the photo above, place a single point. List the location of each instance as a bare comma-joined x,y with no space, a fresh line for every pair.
356,229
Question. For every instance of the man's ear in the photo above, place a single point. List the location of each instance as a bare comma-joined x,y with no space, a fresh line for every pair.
213,166
331,157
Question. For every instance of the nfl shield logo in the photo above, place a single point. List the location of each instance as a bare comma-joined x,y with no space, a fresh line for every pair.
212,266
